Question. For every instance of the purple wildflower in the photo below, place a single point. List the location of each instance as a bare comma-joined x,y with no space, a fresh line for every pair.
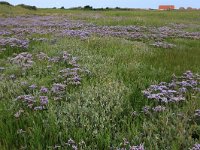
58,88
33,86
39,108
146,109
196,147
44,100
140,147
175,90
24,60
44,89
18,114
24,83
197,112
42,56
159,109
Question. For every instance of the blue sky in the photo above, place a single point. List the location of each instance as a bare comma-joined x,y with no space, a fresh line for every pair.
108,3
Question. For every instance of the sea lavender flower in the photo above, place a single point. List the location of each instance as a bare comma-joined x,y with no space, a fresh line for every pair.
33,86
27,98
126,142
73,62
39,108
58,88
44,89
49,67
18,114
14,42
163,45
23,83
54,59
65,56
146,109
175,90
134,114
24,60
159,109
70,142
140,147
183,90
197,112
196,147
20,131
44,100
42,56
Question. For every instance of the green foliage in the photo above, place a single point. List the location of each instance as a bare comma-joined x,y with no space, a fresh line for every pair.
100,111
87,7
5,3
28,7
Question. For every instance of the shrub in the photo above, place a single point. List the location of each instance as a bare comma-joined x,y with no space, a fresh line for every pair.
5,3
88,7
189,8
181,8
28,7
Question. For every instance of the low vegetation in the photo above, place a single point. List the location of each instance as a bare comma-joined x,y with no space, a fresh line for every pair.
74,79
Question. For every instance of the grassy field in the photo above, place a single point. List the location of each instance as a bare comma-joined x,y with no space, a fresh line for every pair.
106,111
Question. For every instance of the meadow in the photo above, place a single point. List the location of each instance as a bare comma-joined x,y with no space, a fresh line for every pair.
116,80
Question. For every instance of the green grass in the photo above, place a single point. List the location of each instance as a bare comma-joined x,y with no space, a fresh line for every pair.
99,110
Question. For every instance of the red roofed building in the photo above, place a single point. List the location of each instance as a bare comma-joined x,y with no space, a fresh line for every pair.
166,7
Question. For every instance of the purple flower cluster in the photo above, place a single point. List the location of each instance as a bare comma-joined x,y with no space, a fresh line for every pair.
44,89
14,42
63,57
44,100
31,103
163,45
42,56
76,33
5,33
58,88
18,114
70,76
175,90
72,144
197,113
196,147
159,108
147,109
126,145
29,25
40,39
24,60
140,147
33,86
28,100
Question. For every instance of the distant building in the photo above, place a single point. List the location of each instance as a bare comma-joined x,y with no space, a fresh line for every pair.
166,7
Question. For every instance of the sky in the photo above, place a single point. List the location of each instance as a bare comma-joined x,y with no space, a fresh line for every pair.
108,3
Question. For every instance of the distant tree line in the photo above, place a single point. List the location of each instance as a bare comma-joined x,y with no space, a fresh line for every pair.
5,3
88,7
28,7
21,5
